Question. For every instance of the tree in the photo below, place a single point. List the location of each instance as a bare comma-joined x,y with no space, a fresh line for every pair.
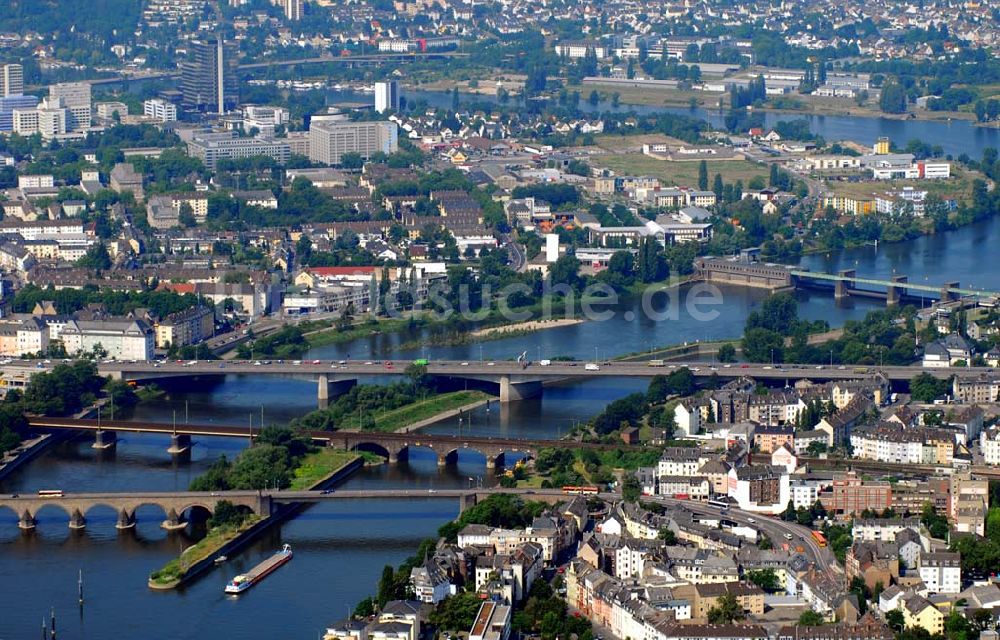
703,175
893,99
226,514
631,489
926,388
186,216
726,610
766,579
761,345
895,620
727,353
351,160
96,258
810,618
668,536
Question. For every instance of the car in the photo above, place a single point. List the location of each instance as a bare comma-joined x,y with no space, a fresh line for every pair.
326,492
296,363
727,366
342,362
316,362
788,536
257,364
744,366
432,491
369,363
751,521
768,367
819,366
491,364
841,368
465,364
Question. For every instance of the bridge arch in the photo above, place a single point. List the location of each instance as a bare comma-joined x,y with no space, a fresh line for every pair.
372,447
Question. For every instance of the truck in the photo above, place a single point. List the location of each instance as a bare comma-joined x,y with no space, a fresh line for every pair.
657,363
591,366
421,362
544,363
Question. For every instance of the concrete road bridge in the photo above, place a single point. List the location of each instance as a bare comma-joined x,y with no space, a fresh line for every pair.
393,446
510,380
176,504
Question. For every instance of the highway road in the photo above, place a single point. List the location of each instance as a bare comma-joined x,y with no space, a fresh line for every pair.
494,369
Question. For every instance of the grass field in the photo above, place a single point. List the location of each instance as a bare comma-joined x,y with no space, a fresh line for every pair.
318,465
421,410
679,173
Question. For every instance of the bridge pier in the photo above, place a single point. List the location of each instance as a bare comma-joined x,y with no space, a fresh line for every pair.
513,391
946,294
894,293
842,289
173,521
327,389
179,443
126,520
467,501
494,461
77,521
104,439
26,522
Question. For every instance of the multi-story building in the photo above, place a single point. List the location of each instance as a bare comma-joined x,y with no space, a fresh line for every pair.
190,326
762,488
9,104
989,444
122,339
212,147
160,110
981,389
941,571
208,76
386,96
11,80
76,98
851,495
330,140
293,9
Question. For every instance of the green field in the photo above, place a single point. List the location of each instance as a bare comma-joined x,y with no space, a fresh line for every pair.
404,416
318,465
678,173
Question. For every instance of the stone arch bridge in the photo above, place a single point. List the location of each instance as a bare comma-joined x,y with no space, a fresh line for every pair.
174,505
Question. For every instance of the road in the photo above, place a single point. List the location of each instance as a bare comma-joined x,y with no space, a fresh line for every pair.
493,370
773,528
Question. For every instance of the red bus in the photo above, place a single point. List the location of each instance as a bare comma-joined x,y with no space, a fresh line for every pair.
819,538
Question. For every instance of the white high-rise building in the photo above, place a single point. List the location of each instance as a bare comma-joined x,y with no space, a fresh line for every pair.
11,80
293,9
76,97
330,140
386,96
160,110
50,119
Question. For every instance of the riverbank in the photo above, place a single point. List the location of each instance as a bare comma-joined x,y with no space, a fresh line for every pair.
444,415
526,327
317,471
27,451
422,412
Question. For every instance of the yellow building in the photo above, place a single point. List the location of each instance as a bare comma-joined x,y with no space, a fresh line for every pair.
881,146
919,612
849,204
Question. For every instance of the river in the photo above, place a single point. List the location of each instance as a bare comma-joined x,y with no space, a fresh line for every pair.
954,136
341,547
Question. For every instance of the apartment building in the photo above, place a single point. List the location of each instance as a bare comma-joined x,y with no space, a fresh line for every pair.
330,140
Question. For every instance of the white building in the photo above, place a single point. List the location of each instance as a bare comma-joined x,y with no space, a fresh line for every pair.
941,572
687,418
76,98
330,140
121,339
761,488
386,96
160,110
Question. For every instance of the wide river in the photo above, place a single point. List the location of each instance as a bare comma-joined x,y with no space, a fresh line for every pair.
340,548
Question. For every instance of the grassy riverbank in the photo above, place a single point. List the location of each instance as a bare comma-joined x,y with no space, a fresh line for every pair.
419,410
313,469
326,335
172,573
319,465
